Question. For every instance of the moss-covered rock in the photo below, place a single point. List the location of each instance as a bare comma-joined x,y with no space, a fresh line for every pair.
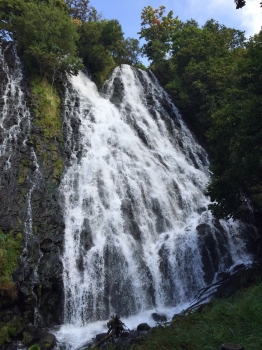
10,330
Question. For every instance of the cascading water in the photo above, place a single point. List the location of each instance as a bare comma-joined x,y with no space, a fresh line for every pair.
15,115
15,131
136,218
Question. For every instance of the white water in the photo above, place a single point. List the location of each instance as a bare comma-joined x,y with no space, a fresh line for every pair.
13,108
132,197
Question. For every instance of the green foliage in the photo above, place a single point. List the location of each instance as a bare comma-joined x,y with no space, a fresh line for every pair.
203,67
52,35
8,8
157,30
236,139
234,320
102,47
215,78
45,33
131,52
78,9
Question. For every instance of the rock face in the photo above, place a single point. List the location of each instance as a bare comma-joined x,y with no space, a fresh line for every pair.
29,200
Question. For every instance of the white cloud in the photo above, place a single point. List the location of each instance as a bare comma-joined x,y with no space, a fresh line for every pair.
224,11
251,17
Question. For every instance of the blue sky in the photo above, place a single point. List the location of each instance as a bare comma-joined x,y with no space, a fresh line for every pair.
128,12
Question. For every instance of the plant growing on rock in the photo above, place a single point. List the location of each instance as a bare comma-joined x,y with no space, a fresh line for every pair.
10,247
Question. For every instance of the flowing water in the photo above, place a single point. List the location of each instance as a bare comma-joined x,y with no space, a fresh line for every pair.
14,113
134,205
15,131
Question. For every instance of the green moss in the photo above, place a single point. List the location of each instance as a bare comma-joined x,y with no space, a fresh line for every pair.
10,248
10,330
46,104
27,338
34,347
58,168
23,169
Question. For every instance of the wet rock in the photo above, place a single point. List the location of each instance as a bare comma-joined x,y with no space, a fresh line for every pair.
212,248
50,266
100,336
143,327
158,317
47,342
46,245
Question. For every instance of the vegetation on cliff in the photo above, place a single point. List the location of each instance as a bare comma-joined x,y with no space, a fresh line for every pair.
214,75
56,36
10,249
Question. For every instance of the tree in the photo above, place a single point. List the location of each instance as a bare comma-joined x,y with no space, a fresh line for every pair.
8,8
47,38
157,30
93,15
131,52
236,139
200,69
96,57
102,46
111,36
78,9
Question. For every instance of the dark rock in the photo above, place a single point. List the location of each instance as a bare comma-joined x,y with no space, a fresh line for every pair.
212,249
25,289
159,318
32,331
29,196
47,342
143,327
100,336
46,245
50,266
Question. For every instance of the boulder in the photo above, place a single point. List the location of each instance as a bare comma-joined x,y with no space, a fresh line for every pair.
158,317
47,342
143,327
100,336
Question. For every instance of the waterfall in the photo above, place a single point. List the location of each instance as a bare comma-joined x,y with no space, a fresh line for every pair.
14,113
138,234
15,132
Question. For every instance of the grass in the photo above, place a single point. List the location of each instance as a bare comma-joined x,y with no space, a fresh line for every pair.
46,107
237,319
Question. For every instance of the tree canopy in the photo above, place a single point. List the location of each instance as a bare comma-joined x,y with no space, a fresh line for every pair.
214,75
57,35
45,34
157,30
